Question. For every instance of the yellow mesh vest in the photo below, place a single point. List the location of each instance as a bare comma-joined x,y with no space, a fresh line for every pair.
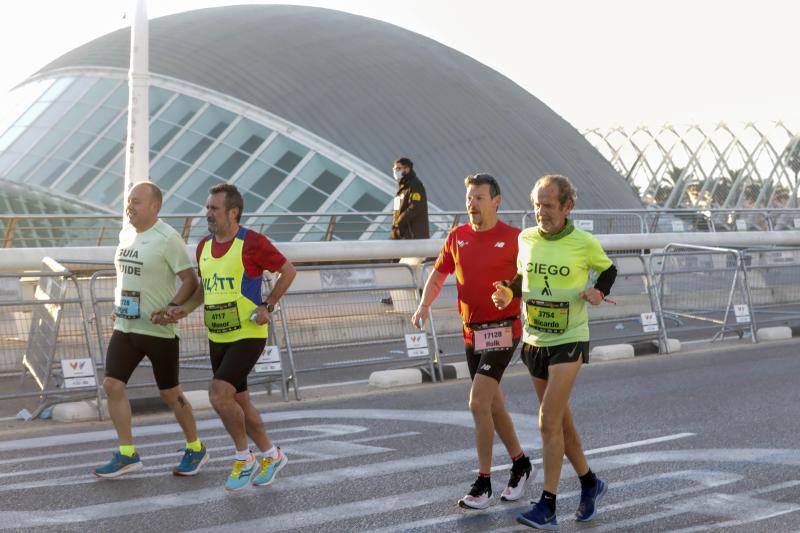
229,295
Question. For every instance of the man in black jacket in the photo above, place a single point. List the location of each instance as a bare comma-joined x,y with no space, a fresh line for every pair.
410,220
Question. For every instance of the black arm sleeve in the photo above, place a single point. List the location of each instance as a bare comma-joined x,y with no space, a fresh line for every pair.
515,285
606,280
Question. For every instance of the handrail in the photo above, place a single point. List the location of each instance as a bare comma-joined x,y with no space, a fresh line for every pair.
40,231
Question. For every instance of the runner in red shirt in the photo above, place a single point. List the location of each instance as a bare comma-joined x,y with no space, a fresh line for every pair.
480,253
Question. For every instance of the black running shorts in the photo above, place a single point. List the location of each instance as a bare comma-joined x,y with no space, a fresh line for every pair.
126,351
491,364
538,359
231,362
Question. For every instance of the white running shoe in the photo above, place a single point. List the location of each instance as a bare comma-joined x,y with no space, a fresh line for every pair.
479,496
518,481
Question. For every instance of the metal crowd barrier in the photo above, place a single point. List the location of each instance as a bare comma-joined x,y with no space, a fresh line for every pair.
624,316
44,332
773,276
340,316
444,321
702,289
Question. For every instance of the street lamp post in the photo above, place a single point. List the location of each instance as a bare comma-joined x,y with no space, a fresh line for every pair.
137,145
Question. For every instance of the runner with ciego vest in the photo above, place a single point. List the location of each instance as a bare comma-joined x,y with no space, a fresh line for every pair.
552,278
231,261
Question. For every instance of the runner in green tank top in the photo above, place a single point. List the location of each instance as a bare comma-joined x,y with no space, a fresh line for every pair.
552,276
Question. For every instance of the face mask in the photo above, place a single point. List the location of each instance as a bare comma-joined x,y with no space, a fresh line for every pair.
398,174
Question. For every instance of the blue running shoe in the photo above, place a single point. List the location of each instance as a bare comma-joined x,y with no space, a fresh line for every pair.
539,517
269,468
241,474
589,498
119,465
191,462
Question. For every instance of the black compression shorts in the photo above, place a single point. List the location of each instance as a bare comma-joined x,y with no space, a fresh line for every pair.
232,361
126,351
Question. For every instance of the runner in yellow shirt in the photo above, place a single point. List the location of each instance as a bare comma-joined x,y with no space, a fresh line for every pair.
231,260
552,276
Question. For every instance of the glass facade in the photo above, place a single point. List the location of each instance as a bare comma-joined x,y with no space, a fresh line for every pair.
69,138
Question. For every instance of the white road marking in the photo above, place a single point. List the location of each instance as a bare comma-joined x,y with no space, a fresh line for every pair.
315,479
313,451
321,431
525,424
615,447
188,498
386,437
149,504
327,515
712,504
705,480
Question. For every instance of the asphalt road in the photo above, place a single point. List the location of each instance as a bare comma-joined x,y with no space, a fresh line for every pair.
698,441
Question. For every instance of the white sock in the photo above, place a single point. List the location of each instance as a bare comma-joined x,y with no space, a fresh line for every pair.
243,455
272,452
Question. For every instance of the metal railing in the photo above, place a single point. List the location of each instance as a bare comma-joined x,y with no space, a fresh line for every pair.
41,231
36,231
44,334
703,288
333,317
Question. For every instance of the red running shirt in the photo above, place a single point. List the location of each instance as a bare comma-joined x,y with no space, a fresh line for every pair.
258,253
478,259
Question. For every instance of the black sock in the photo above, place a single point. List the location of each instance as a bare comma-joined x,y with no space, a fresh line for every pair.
549,500
485,479
588,480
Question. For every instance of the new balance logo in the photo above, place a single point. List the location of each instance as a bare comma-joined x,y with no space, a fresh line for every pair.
499,244
486,367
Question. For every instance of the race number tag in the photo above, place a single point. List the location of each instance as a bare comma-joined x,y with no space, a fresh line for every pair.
128,306
548,317
488,339
220,318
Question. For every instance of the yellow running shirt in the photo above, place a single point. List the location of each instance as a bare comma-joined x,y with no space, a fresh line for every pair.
555,270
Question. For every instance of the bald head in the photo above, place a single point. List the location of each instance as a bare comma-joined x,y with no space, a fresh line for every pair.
152,189
144,203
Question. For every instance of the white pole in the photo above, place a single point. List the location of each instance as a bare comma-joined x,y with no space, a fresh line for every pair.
137,147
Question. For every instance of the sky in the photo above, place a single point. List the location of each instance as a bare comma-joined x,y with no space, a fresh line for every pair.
596,63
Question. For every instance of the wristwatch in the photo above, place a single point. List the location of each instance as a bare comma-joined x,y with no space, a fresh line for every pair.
270,307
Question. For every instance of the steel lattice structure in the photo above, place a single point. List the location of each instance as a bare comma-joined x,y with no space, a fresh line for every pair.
731,166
